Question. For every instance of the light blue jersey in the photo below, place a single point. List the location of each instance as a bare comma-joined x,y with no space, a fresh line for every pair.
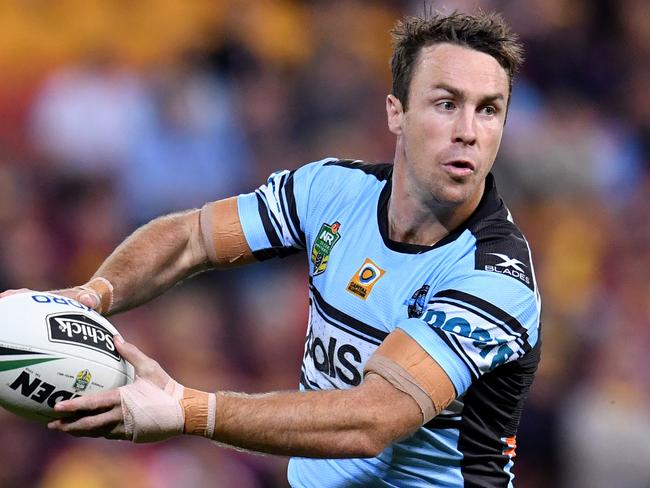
470,301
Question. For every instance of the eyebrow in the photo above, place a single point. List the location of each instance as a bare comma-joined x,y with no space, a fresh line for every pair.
463,96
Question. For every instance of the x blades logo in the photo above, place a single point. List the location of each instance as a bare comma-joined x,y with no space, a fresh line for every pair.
508,266
365,279
508,262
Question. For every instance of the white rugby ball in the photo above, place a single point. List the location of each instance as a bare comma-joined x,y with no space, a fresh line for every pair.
53,348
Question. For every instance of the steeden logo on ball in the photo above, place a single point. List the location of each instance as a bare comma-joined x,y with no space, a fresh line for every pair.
81,330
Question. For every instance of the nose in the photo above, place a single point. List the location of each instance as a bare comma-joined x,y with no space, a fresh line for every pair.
464,130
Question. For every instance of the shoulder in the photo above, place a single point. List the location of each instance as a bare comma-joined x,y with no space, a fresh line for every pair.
495,276
343,180
345,172
349,167
502,249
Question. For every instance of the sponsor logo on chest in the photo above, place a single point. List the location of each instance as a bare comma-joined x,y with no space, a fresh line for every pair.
365,278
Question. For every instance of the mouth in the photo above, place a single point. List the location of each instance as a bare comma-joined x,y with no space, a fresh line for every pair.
460,167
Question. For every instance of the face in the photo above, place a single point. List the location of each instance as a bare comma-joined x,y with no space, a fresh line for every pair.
448,137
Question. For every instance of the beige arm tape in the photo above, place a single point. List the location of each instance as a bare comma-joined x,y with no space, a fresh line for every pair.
200,409
402,362
223,235
102,290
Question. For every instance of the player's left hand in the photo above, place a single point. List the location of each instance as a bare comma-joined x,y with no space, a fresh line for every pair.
147,410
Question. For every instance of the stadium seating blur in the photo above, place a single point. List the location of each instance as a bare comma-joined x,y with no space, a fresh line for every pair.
114,112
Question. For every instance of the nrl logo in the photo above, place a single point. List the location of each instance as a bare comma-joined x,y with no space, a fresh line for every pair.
328,235
82,380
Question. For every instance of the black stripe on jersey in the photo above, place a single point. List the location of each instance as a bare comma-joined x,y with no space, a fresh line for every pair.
303,381
505,318
276,249
283,209
264,254
313,385
271,233
460,352
474,369
293,212
274,252
275,222
442,423
345,319
380,171
519,340
454,415
349,329
491,410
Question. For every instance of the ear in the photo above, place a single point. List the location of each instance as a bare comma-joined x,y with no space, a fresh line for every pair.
395,114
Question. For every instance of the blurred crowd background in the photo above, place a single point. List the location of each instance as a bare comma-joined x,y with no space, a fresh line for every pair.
113,112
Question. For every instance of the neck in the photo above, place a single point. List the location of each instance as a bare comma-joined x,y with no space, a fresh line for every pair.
414,219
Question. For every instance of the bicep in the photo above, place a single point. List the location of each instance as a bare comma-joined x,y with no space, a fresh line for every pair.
404,364
221,234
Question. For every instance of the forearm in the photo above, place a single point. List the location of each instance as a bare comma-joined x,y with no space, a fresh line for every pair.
323,424
154,258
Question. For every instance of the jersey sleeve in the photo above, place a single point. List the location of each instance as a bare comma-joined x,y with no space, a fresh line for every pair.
475,326
273,217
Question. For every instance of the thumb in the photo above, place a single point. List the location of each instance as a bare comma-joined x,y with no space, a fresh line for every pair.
8,293
145,367
130,353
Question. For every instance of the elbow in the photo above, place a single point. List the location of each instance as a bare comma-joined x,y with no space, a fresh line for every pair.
371,444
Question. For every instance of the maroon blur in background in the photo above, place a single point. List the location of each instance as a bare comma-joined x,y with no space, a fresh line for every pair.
114,112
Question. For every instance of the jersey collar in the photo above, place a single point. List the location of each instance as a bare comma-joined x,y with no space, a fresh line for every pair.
490,203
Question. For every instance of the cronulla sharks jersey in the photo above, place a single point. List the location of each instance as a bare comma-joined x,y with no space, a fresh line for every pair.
470,301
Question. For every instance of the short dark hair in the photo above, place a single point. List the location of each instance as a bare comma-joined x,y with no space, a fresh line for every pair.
484,32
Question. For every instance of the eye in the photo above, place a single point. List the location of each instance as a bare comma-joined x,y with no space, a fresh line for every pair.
446,105
489,110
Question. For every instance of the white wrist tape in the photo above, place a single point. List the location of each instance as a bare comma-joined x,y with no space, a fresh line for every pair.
151,414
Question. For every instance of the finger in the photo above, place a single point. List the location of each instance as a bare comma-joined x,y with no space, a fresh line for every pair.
132,354
145,367
89,403
104,424
87,297
8,293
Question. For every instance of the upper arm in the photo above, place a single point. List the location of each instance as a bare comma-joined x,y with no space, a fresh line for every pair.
265,223
461,334
221,234
476,326
408,367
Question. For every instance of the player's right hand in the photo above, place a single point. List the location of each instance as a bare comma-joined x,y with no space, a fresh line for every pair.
86,296
148,410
